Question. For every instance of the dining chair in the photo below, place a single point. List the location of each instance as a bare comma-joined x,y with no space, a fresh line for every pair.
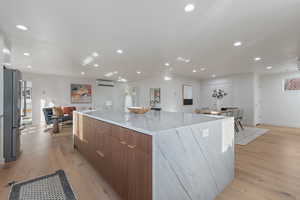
240,118
235,115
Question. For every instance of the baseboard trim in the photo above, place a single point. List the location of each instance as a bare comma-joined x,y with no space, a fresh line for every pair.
2,161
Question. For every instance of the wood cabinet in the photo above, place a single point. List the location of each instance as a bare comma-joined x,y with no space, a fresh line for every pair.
78,131
122,156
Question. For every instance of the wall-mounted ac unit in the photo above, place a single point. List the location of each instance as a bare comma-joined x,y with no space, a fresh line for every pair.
105,83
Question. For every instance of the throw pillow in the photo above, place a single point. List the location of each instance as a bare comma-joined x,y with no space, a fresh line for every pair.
57,111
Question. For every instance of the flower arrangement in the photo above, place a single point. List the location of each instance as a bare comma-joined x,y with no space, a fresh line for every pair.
219,94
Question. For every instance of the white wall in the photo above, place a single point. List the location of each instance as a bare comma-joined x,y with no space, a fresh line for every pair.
171,92
52,89
257,100
1,113
279,107
240,89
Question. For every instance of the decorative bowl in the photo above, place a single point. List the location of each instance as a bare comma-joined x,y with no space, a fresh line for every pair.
138,110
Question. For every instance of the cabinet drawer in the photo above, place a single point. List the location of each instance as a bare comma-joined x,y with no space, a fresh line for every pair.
132,139
139,141
102,127
119,133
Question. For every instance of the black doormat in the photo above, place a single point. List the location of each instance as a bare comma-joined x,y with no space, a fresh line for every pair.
50,187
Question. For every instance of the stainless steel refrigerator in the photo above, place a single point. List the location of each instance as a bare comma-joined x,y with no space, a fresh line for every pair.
12,114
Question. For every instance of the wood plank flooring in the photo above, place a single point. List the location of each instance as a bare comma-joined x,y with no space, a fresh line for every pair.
266,169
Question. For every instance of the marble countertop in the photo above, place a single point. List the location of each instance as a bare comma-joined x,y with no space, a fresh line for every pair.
151,122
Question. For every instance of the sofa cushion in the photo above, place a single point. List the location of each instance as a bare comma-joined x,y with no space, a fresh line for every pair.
68,110
57,111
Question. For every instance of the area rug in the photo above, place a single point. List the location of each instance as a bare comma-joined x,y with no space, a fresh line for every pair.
50,187
248,135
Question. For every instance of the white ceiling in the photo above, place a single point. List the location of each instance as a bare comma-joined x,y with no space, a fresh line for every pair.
62,33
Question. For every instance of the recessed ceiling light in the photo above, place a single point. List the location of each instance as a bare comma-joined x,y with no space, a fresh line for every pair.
180,59
6,64
257,58
96,65
269,67
194,71
111,73
29,66
87,60
119,51
214,76
237,44
167,64
167,78
95,54
189,7
120,79
22,27
202,69
82,73
138,72
6,51
26,54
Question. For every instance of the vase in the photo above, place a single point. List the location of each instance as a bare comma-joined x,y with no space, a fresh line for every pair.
128,102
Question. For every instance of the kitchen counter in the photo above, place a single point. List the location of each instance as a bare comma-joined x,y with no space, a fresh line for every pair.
158,155
152,122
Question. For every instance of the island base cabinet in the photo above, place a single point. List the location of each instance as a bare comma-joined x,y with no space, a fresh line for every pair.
123,157
119,165
139,174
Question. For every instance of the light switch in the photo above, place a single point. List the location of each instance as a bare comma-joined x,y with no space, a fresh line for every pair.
205,133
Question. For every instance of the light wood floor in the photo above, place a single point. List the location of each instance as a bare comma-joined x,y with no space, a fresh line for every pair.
266,169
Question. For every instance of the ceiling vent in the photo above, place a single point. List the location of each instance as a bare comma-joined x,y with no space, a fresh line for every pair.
105,83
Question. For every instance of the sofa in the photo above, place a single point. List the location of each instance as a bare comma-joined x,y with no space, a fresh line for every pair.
67,114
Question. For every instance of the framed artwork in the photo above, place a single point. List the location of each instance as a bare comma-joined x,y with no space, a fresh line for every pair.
187,91
292,84
81,93
154,96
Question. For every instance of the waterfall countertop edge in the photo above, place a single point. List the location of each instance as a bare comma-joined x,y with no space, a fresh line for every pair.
152,122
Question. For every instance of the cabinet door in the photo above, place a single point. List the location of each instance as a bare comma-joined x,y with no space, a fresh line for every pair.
75,130
86,137
139,168
119,167
79,133
103,150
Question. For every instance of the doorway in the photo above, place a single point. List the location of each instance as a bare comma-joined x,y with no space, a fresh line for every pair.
26,103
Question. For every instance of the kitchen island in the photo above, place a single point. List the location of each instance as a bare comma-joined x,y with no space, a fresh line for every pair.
158,155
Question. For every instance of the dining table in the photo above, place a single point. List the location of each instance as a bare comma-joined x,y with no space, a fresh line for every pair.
216,111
